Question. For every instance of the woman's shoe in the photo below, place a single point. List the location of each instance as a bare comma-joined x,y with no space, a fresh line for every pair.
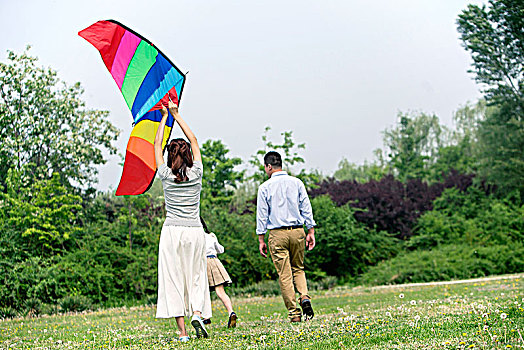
206,321
200,329
232,323
183,339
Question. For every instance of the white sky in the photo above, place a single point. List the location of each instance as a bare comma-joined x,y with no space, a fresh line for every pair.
336,73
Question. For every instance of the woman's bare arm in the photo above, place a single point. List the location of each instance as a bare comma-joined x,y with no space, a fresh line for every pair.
159,138
173,108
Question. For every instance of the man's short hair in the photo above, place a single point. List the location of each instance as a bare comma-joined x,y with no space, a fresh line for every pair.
274,159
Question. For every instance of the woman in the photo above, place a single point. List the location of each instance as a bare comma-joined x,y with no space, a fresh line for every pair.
182,267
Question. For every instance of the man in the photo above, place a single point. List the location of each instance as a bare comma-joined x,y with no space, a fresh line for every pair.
283,208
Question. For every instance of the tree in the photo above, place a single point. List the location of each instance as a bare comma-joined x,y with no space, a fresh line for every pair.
501,154
289,151
45,127
220,178
360,173
495,38
45,217
413,144
462,151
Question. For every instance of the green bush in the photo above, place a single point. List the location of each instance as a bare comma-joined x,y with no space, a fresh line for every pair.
33,307
75,303
472,218
49,309
326,283
7,312
447,262
33,278
345,247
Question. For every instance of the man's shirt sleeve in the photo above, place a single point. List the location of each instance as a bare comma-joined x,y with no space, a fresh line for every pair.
262,212
304,205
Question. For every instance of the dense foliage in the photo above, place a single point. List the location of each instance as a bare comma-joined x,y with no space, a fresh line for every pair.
389,204
45,127
448,262
494,36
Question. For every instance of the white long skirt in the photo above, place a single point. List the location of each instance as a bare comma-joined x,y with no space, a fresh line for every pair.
182,273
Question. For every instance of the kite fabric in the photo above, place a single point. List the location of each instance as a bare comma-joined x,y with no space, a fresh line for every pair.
147,79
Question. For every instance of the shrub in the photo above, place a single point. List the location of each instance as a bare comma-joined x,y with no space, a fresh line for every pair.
49,309
325,283
75,303
469,217
7,312
446,263
33,307
388,204
345,247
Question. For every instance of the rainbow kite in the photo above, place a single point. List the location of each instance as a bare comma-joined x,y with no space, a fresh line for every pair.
147,80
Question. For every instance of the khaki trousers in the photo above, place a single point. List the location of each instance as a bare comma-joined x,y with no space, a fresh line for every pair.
287,251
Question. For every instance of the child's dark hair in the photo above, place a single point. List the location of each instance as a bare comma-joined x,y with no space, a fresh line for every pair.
206,230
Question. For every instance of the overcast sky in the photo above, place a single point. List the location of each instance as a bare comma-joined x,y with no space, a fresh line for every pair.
336,73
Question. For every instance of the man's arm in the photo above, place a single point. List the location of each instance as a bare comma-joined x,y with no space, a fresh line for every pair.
262,218
304,206
310,239
262,247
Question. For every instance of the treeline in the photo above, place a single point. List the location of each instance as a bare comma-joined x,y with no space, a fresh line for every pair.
435,203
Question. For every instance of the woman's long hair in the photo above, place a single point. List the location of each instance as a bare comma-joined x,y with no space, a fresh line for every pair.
204,226
179,158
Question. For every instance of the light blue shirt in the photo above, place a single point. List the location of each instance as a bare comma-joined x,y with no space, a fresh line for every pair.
283,201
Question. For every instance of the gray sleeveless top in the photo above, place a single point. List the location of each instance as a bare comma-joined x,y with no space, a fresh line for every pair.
182,199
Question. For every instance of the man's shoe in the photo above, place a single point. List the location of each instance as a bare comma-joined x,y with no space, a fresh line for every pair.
207,321
296,319
200,329
307,309
232,323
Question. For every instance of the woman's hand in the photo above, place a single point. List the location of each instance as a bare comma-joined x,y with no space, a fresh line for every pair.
173,108
164,111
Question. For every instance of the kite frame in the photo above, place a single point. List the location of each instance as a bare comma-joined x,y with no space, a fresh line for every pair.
179,97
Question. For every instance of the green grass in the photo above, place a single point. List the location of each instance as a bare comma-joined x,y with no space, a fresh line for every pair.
450,316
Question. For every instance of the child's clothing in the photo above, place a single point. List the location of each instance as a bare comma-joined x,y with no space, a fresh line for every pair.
216,273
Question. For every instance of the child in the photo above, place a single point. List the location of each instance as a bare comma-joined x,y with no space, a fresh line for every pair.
217,274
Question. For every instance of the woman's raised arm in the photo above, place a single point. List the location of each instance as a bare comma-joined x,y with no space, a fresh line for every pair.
173,108
159,137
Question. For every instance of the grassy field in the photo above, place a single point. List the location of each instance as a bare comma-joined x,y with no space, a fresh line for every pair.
484,314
